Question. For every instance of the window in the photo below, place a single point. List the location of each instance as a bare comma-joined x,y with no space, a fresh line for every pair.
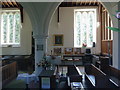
84,27
10,27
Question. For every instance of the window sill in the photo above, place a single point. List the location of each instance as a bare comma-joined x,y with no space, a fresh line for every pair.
11,46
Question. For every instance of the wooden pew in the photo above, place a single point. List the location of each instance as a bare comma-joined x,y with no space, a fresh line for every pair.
9,72
74,74
114,75
97,78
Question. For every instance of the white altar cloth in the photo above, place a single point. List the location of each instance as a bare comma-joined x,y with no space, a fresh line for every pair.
27,77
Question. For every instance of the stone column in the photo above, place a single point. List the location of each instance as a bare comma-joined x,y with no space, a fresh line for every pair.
116,42
40,50
119,39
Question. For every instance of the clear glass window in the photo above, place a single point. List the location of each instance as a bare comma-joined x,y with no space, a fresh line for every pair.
10,27
84,27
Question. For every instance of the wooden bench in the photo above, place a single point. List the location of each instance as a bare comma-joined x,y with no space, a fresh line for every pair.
74,74
9,72
97,78
114,75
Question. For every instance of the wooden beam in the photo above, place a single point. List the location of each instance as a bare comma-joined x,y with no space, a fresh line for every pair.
85,2
95,2
3,4
74,4
90,2
21,12
15,4
10,3
6,3
81,3
58,16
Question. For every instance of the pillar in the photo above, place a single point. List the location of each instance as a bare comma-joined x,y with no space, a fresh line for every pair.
119,39
116,42
40,50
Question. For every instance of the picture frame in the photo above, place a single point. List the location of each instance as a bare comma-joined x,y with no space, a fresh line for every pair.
68,50
77,50
58,40
57,51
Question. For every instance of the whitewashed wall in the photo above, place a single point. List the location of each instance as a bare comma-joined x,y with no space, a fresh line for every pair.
66,27
26,37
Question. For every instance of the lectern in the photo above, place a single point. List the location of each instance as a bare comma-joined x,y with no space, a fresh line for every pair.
47,79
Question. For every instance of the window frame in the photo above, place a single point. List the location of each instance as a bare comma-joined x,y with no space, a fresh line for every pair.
10,44
86,9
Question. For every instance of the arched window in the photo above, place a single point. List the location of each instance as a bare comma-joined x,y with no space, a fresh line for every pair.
84,27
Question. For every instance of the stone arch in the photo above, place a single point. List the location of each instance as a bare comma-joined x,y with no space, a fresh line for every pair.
43,19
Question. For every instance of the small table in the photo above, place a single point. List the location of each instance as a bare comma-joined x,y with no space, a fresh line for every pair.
27,78
76,86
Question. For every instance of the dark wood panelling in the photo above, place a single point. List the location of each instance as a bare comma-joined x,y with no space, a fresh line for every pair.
105,46
107,26
106,34
9,72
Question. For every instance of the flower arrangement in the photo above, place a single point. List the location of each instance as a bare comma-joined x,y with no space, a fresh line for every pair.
84,45
44,63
